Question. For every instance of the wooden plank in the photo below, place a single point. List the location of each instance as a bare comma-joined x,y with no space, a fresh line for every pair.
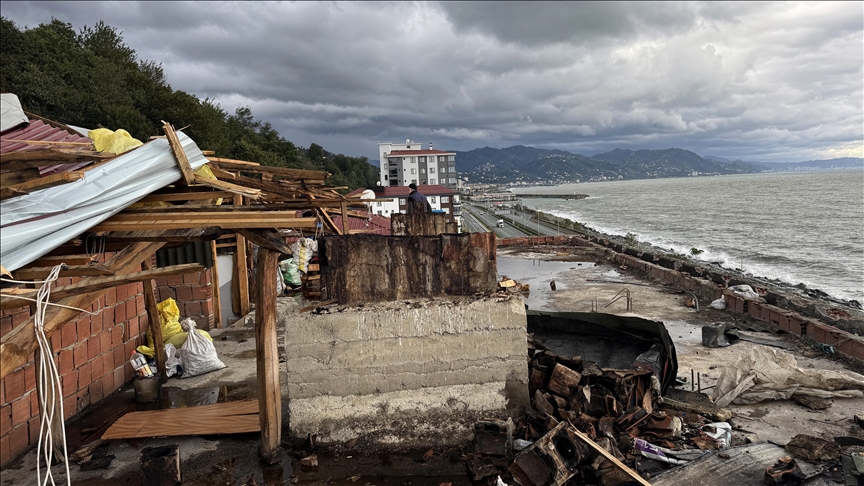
229,187
261,169
50,261
220,160
42,158
221,418
42,183
242,270
267,356
17,344
179,153
223,174
346,226
187,196
39,273
99,283
192,220
11,178
329,221
154,322
214,287
614,460
266,238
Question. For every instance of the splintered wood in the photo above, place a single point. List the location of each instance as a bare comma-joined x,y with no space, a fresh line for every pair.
221,418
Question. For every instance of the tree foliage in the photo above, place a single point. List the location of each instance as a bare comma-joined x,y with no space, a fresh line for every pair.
91,78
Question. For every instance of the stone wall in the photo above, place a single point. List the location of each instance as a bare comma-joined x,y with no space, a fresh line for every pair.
413,373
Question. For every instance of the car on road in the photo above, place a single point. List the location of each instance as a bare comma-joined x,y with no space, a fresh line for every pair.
500,223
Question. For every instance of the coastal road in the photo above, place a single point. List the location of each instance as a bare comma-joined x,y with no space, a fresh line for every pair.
525,223
475,215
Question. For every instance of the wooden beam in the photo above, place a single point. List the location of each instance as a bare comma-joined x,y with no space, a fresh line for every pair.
50,261
190,220
267,356
39,273
228,186
17,344
242,270
266,238
223,174
28,159
299,204
220,160
278,171
214,287
186,196
11,178
179,153
10,301
154,321
329,221
614,460
346,226
41,183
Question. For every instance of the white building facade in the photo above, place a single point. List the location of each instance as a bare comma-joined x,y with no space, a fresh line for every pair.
404,163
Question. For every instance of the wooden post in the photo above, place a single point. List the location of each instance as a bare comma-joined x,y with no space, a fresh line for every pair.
241,269
155,324
214,287
345,226
269,392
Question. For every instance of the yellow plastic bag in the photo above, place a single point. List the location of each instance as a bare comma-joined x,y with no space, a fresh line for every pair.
172,331
105,140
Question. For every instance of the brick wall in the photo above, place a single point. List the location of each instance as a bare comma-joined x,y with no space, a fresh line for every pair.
91,355
193,294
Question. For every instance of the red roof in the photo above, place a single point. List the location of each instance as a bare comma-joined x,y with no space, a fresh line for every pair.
402,153
37,130
403,191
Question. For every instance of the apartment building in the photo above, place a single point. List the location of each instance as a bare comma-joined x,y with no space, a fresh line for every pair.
404,163
441,199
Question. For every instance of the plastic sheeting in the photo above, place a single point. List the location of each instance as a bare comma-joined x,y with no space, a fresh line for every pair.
34,224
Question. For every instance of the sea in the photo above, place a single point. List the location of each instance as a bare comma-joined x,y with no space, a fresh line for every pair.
792,227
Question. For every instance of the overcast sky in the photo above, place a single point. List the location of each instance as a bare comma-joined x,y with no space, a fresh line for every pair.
757,81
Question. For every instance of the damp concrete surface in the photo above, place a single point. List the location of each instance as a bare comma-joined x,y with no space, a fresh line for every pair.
582,281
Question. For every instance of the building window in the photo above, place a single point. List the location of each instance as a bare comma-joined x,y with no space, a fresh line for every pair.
394,172
431,170
442,170
451,158
423,181
422,160
378,203
442,158
433,181
401,201
445,199
456,198
413,171
379,213
432,199
452,180
446,210
422,171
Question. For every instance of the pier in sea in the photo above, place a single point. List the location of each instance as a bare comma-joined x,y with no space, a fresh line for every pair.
510,196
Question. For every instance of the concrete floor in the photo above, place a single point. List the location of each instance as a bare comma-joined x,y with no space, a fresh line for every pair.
233,460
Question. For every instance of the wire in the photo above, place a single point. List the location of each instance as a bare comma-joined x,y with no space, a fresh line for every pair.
48,379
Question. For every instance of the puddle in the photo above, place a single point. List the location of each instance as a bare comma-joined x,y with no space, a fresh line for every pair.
538,274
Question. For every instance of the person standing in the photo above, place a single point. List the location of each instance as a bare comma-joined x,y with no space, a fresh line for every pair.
416,197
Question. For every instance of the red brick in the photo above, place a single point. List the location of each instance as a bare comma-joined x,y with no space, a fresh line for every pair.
131,309
29,377
107,316
96,369
96,392
164,293
68,335
119,378
34,404
205,277
79,354
5,325
83,399
111,297
161,281
33,430
18,440
119,313
70,383
120,290
5,453
5,419
93,347
143,323
20,410
108,361
135,328
175,280
14,383
84,374
20,318
116,335
201,293
98,323
108,383
55,341
184,293
120,357
192,309
70,407
207,307
192,278
140,307
65,362
129,348
105,341
82,329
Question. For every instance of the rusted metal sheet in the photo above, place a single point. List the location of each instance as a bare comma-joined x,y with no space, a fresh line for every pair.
375,268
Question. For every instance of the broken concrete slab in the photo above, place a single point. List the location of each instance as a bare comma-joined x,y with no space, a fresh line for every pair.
812,448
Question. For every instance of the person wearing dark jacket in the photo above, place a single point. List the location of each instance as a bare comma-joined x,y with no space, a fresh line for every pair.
417,197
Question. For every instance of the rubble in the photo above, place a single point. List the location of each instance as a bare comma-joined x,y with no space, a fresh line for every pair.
812,448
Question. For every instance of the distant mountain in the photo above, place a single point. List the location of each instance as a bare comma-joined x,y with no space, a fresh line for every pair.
540,166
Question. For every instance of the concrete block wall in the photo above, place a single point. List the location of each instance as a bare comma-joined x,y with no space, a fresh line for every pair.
91,352
413,373
193,294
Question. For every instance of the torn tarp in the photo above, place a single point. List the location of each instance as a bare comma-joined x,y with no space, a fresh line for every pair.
773,374
36,223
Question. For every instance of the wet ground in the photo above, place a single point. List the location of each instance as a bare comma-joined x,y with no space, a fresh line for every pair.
581,283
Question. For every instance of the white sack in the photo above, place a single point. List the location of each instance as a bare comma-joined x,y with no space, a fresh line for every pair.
198,355
773,374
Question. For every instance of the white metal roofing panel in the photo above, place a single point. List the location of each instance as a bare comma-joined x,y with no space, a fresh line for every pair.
11,113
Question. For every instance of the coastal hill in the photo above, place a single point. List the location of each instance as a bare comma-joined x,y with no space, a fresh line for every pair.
540,166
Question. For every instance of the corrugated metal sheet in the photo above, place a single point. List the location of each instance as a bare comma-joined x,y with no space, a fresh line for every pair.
196,252
378,225
40,131
11,113
34,224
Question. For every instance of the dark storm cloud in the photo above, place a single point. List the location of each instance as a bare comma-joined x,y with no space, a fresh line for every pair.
757,81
